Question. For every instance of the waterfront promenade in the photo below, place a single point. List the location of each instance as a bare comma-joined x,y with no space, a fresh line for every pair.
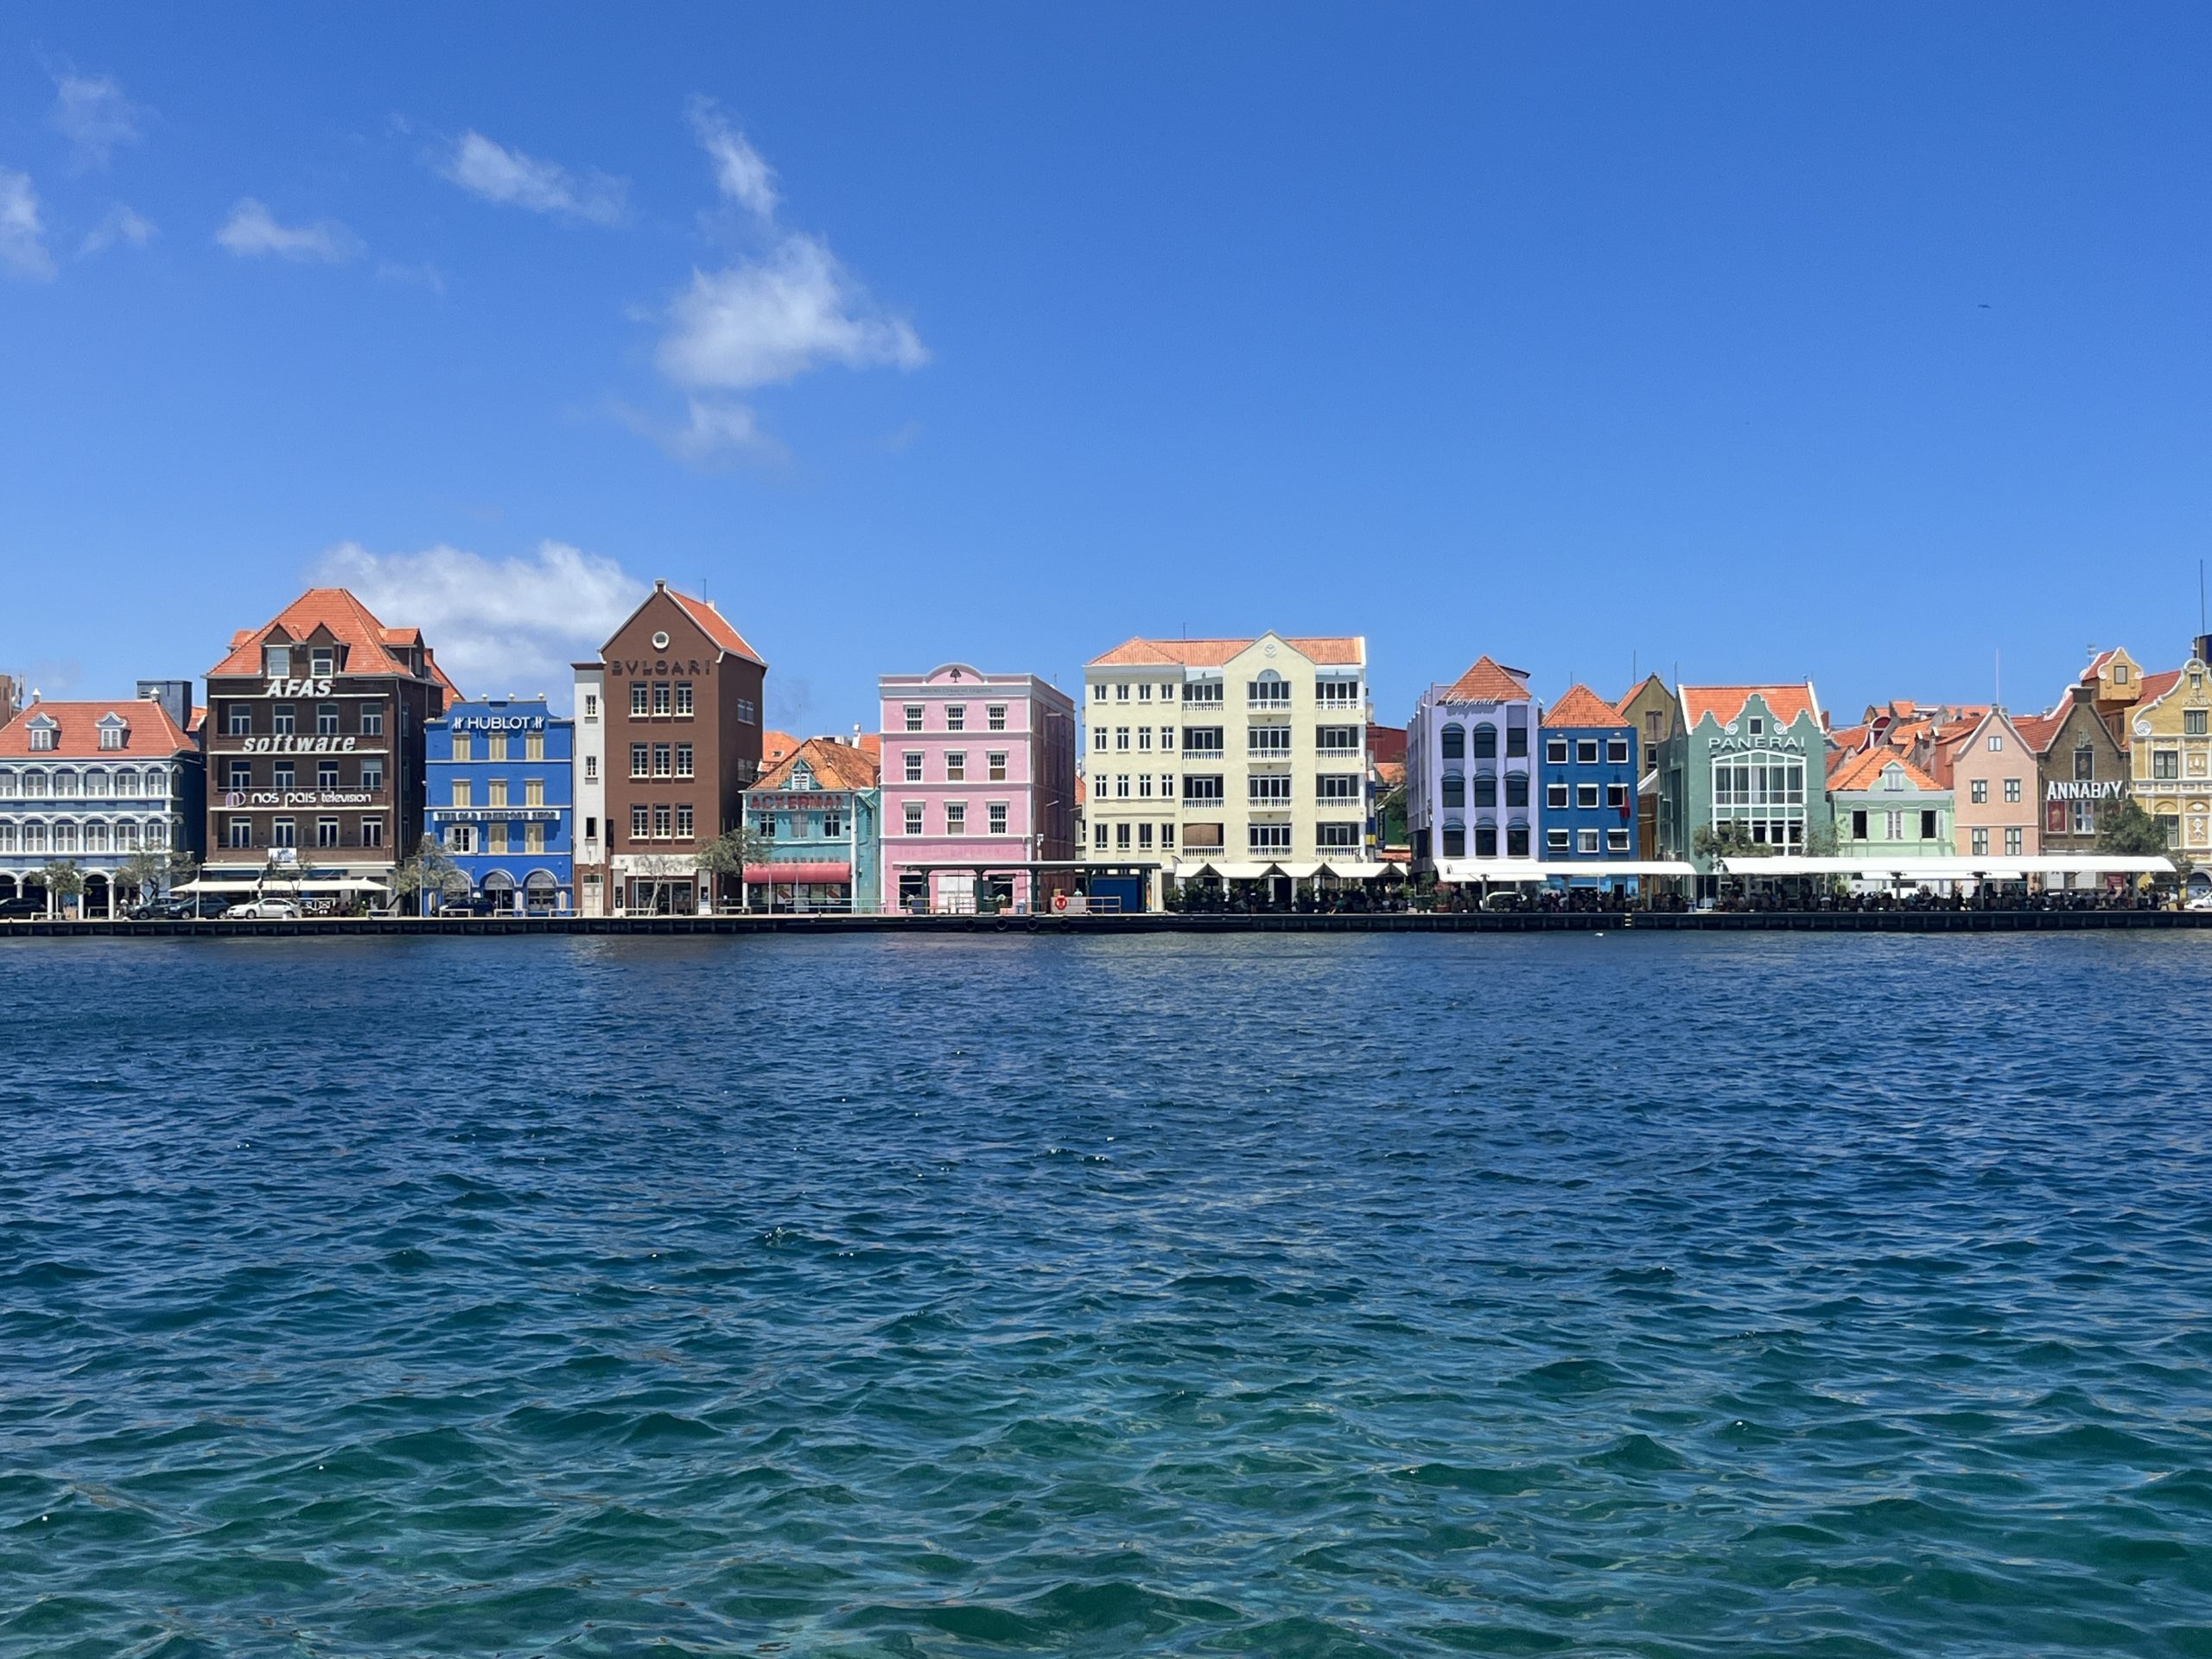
1200,924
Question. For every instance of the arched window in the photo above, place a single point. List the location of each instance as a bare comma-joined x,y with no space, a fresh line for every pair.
7,837
65,837
64,783
1455,841
1485,789
35,784
1517,788
1485,742
95,837
34,838
1455,789
1485,841
1455,741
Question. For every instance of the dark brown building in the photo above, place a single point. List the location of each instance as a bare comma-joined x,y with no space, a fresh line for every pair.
680,694
2082,771
313,739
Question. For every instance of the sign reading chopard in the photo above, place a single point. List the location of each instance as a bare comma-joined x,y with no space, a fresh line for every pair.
2084,789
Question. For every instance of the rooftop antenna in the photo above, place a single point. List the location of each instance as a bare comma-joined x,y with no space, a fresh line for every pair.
2201,626
2000,697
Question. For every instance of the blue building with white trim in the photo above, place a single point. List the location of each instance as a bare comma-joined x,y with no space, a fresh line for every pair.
1588,771
502,800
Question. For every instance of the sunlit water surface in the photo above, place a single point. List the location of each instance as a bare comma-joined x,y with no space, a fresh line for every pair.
1271,1296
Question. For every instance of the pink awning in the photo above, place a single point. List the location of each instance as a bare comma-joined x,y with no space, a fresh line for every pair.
784,875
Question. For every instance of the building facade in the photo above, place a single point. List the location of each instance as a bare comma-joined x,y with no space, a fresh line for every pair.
1471,771
1651,710
2082,771
676,742
1888,807
1228,759
589,784
1989,768
1747,762
500,780
978,769
313,739
819,812
2170,747
1586,778
93,785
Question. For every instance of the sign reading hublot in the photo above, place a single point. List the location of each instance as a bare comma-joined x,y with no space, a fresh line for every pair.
499,723
2084,789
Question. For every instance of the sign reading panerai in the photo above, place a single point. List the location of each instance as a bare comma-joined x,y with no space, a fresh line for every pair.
2084,789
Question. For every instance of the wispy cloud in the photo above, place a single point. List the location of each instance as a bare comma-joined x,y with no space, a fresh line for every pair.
93,115
425,275
498,625
252,230
766,319
489,169
714,433
122,224
739,171
23,234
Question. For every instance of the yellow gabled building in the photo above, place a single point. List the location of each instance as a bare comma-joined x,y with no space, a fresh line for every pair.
2169,734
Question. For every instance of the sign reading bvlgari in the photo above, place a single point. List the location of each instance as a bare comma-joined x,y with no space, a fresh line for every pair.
659,667
2084,789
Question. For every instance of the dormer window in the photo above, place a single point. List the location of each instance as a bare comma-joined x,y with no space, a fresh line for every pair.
2120,673
42,730
112,726
323,661
1756,725
276,661
801,778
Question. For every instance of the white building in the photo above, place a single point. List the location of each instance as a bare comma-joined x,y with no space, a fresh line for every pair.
1229,759
93,784
589,790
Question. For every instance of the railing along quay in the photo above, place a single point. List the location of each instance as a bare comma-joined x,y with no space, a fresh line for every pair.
1813,921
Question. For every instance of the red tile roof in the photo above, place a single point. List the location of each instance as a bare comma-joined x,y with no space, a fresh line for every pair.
150,732
1486,681
2037,731
776,745
335,611
716,625
1862,771
1724,702
872,743
836,765
1581,706
2157,685
1334,652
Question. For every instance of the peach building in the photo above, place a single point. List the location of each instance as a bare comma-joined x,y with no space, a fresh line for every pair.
1989,769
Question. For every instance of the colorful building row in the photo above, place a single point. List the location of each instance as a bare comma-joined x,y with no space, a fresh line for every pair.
328,745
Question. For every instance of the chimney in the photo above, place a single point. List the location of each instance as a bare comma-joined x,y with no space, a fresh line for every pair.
174,697
2201,647
660,584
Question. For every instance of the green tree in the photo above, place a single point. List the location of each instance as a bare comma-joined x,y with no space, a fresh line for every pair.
429,870
1820,838
2127,831
144,870
63,879
728,855
1729,840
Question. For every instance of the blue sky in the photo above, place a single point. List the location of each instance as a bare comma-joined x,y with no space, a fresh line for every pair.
1862,341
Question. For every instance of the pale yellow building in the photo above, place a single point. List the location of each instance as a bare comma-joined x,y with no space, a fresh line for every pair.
2170,749
1241,759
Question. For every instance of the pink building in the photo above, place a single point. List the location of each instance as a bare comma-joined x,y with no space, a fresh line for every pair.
978,774
1982,757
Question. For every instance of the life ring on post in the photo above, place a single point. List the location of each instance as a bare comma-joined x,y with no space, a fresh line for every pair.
1060,904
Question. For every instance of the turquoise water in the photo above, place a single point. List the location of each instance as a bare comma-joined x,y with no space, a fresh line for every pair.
1299,1295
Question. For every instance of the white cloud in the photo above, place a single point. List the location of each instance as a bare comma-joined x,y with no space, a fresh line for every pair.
739,171
22,235
497,173
122,224
251,230
766,321
498,625
93,115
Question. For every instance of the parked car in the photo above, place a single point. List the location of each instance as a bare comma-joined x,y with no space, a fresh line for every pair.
21,909
264,910
2201,901
171,909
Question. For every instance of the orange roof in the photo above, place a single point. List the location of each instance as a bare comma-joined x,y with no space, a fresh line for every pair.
335,612
872,743
2098,662
149,731
1724,702
716,625
1336,653
1486,681
776,745
1849,737
1581,706
2037,731
1082,789
1389,773
2157,685
1860,772
836,765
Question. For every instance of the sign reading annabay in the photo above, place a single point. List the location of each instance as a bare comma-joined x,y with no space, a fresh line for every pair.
2084,789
